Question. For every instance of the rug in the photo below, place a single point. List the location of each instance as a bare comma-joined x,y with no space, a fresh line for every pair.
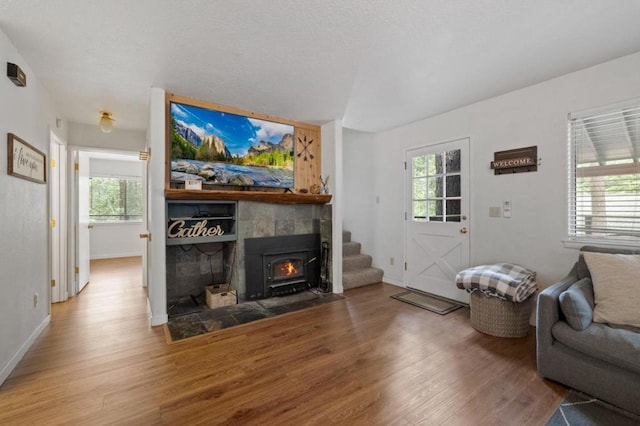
429,302
209,320
583,410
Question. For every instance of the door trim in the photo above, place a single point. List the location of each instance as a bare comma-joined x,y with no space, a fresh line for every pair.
72,195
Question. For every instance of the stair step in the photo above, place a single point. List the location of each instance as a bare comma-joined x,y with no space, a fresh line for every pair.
350,249
357,262
361,278
346,236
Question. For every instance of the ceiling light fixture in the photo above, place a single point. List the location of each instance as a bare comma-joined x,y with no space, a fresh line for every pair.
106,122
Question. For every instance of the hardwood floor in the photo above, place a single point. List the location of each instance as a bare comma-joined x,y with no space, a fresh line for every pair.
368,360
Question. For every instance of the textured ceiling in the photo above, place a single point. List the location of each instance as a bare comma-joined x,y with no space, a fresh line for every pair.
376,64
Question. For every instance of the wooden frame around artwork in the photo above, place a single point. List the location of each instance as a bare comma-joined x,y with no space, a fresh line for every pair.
25,161
306,172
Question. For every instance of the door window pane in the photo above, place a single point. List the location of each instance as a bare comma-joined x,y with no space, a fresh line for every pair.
453,210
435,210
420,188
419,166
453,186
419,210
434,163
435,187
453,161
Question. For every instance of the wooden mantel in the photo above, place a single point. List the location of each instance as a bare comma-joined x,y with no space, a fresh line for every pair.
264,197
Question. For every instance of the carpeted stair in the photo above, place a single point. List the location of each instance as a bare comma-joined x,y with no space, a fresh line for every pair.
356,267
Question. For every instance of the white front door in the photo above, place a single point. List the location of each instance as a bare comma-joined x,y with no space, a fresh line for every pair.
437,225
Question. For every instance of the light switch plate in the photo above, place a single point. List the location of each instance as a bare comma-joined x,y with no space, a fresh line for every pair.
506,209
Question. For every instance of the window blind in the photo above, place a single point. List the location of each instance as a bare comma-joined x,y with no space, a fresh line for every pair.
604,175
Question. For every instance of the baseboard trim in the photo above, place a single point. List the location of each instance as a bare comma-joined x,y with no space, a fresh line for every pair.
115,255
156,319
159,319
8,368
393,282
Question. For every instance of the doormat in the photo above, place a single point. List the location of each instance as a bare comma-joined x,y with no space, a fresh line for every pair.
209,320
581,409
429,302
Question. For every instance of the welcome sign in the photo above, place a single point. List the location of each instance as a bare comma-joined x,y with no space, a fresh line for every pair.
515,160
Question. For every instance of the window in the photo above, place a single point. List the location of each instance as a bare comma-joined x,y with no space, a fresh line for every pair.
115,199
436,187
604,175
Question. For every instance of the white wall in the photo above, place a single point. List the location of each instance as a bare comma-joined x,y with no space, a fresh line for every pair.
24,253
119,139
536,115
115,168
360,200
109,240
332,166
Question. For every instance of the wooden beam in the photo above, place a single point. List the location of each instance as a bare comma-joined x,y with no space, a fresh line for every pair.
264,197
610,170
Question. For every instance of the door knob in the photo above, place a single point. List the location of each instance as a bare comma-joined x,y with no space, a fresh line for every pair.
146,235
463,230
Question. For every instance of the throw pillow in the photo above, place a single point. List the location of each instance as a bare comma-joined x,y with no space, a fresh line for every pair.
615,287
577,304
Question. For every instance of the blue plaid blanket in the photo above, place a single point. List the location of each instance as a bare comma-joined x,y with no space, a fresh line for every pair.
504,281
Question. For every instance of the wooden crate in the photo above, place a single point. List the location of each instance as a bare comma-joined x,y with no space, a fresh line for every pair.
221,295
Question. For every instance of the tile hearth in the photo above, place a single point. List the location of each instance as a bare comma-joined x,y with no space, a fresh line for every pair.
209,320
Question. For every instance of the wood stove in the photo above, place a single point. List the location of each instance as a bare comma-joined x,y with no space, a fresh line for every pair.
281,265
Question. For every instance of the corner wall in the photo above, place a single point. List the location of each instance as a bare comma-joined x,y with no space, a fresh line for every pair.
24,253
156,249
535,115
332,167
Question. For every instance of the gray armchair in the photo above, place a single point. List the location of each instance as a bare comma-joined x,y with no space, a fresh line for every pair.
601,360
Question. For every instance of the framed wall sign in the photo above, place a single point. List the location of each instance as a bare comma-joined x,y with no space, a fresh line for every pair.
25,161
517,160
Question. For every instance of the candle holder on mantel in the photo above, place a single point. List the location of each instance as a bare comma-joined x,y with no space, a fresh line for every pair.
325,184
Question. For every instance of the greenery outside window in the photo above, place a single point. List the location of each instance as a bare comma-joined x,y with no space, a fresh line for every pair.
115,199
604,175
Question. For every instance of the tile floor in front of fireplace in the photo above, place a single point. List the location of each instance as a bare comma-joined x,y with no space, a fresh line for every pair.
209,320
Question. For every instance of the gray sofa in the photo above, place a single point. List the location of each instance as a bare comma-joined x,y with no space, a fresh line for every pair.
601,360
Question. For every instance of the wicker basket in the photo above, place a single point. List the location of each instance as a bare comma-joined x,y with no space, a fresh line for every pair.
220,295
499,317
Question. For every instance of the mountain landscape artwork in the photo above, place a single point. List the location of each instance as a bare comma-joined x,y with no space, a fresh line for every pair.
221,148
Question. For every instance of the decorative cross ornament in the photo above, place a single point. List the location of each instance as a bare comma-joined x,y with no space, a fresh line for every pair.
305,146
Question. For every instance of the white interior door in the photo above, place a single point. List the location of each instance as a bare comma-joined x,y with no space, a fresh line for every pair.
57,214
437,225
54,216
83,247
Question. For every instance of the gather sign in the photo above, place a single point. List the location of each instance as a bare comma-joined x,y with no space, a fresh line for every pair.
202,228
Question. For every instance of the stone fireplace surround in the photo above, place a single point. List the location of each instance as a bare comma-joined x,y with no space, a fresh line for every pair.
190,269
